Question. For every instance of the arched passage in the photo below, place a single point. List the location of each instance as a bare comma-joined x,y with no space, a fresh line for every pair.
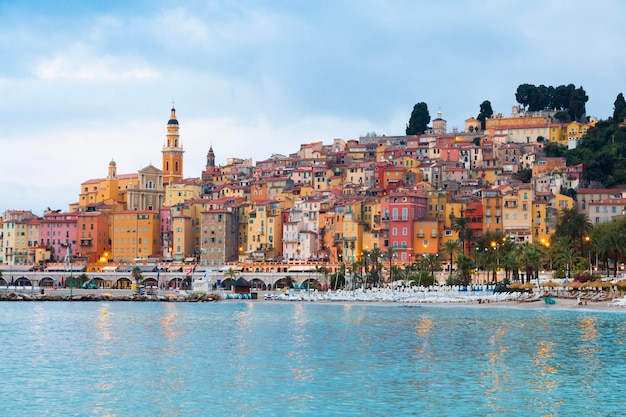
101,283
46,282
177,282
23,282
123,283
258,283
150,282
311,283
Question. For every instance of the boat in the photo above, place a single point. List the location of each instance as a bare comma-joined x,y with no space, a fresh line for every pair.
549,300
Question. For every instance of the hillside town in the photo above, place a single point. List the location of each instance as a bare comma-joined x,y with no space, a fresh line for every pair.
388,200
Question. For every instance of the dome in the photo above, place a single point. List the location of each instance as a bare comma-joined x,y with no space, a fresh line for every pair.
173,120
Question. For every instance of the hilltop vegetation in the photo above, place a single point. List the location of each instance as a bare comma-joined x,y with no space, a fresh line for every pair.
603,152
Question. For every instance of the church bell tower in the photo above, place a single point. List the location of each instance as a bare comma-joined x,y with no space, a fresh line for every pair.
172,153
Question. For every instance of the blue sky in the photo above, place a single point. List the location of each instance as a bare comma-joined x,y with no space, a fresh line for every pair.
84,82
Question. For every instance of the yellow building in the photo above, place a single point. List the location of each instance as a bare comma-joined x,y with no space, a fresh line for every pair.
563,133
492,211
352,230
108,191
426,241
135,235
540,223
264,230
453,209
181,192
516,214
372,223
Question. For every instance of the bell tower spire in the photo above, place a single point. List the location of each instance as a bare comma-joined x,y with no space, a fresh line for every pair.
172,152
210,158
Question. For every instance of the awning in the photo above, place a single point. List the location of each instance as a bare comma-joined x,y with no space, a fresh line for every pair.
302,268
109,269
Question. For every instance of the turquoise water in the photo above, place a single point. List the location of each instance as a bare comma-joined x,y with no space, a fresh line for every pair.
308,359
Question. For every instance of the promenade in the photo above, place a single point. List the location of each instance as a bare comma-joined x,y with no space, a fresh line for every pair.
443,296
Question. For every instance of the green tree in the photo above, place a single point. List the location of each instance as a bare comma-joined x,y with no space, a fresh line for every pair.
523,94
576,108
485,113
465,266
574,226
450,248
619,108
613,245
553,149
461,225
531,255
431,263
420,117
231,273
375,256
562,116
566,258
324,271
389,254
137,277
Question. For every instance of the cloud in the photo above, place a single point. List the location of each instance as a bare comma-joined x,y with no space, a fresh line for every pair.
80,63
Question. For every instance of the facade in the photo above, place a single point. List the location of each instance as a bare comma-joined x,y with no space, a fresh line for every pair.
107,191
135,235
57,231
219,237
93,236
147,193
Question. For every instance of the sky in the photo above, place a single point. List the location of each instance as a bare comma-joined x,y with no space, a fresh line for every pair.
84,82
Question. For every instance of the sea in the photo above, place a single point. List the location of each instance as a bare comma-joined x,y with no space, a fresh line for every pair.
272,358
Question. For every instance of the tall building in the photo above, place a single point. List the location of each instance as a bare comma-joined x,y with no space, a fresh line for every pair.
172,153
135,235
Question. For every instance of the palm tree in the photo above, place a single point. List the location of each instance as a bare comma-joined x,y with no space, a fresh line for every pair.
567,257
531,255
613,245
451,248
465,266
340,275
389,255
465,233
231,273
375,256
574,225
511,264
324,271
430,263
353,270
136,274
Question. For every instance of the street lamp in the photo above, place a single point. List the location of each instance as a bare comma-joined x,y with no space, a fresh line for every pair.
587,239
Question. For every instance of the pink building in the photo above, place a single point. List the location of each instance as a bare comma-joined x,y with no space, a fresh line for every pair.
56,232
405,206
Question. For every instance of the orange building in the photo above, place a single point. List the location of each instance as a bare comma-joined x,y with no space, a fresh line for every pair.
93,236
135,235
